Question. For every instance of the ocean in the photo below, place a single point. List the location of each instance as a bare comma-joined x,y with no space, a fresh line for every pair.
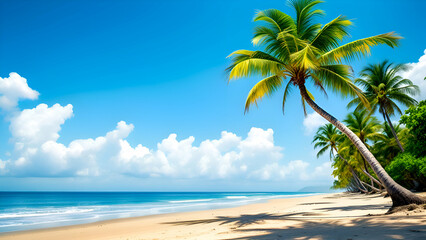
35,210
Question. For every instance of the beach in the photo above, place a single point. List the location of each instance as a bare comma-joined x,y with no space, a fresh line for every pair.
326,216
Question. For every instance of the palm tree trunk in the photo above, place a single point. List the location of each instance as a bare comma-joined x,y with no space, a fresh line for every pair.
360,186
399,195
387,119
372,178
373,189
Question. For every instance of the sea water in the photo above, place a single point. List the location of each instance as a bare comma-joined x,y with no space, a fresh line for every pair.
34,210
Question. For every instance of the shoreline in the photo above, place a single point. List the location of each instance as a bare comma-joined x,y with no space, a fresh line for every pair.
271,219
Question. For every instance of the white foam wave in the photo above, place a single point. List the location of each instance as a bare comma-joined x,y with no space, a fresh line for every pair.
43,213
236,197
193,200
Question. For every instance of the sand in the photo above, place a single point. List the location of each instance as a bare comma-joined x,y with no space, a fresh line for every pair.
330,216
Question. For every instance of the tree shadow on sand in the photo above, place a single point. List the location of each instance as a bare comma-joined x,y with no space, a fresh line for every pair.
250,225
365,228
238,221
357,207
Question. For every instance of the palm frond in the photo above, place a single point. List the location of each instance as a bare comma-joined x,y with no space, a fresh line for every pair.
332,34
266,86
247,63
359,48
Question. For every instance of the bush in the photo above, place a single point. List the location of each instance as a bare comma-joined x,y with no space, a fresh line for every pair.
408,171
415,120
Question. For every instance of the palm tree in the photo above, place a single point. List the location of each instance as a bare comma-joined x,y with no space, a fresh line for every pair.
299,50
367,128
384,88
327,138
387,147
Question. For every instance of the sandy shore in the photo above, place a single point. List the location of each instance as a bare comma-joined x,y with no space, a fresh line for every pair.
329,216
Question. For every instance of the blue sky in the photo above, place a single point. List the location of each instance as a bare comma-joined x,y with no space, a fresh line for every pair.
159,65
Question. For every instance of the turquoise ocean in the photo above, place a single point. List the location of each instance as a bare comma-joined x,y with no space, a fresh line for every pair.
35,210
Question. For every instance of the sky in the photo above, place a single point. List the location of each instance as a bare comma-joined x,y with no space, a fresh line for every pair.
133,95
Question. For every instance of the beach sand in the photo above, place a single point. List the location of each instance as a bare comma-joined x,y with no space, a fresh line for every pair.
329,216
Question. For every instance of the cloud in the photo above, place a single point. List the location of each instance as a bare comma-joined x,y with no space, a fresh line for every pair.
37,152
312,122
32,127
228,156
13,89
417,74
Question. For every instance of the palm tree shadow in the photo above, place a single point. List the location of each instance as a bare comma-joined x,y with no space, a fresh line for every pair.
240,221
357,207
365,228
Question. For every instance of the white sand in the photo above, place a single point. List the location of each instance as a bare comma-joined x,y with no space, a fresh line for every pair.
330,216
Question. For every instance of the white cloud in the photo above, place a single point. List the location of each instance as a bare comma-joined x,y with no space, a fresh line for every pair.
417,74
13,89
32,127
312,122
38,152
225,157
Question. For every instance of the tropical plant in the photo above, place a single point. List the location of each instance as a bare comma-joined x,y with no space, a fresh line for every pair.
415,120
365,126
328,137
299,50
367,129
409,170
386,148
384,88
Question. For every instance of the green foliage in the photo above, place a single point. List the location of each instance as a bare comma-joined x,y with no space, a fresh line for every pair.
415,120
386,148
384,88
408,171
295,50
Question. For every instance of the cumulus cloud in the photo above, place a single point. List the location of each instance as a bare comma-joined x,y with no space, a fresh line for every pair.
37,153
417,74
13,89
35,134
35,126
312,122
225,157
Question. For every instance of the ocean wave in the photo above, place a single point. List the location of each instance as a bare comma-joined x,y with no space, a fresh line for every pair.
236,197
11,225
43,213
192,200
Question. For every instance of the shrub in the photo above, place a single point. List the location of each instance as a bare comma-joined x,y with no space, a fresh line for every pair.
415,120
408,171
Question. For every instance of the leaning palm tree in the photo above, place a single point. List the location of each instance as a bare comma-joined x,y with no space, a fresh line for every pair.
384,88
368,129
327,138
298,50
387,147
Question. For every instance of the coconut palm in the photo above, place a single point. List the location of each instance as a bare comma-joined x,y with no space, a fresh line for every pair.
294,51
365,126
387,147
327,138
384,88
368,129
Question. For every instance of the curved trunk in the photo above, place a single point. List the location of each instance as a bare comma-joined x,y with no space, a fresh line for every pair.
372,178
360,186
373,189
387,119
400,196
